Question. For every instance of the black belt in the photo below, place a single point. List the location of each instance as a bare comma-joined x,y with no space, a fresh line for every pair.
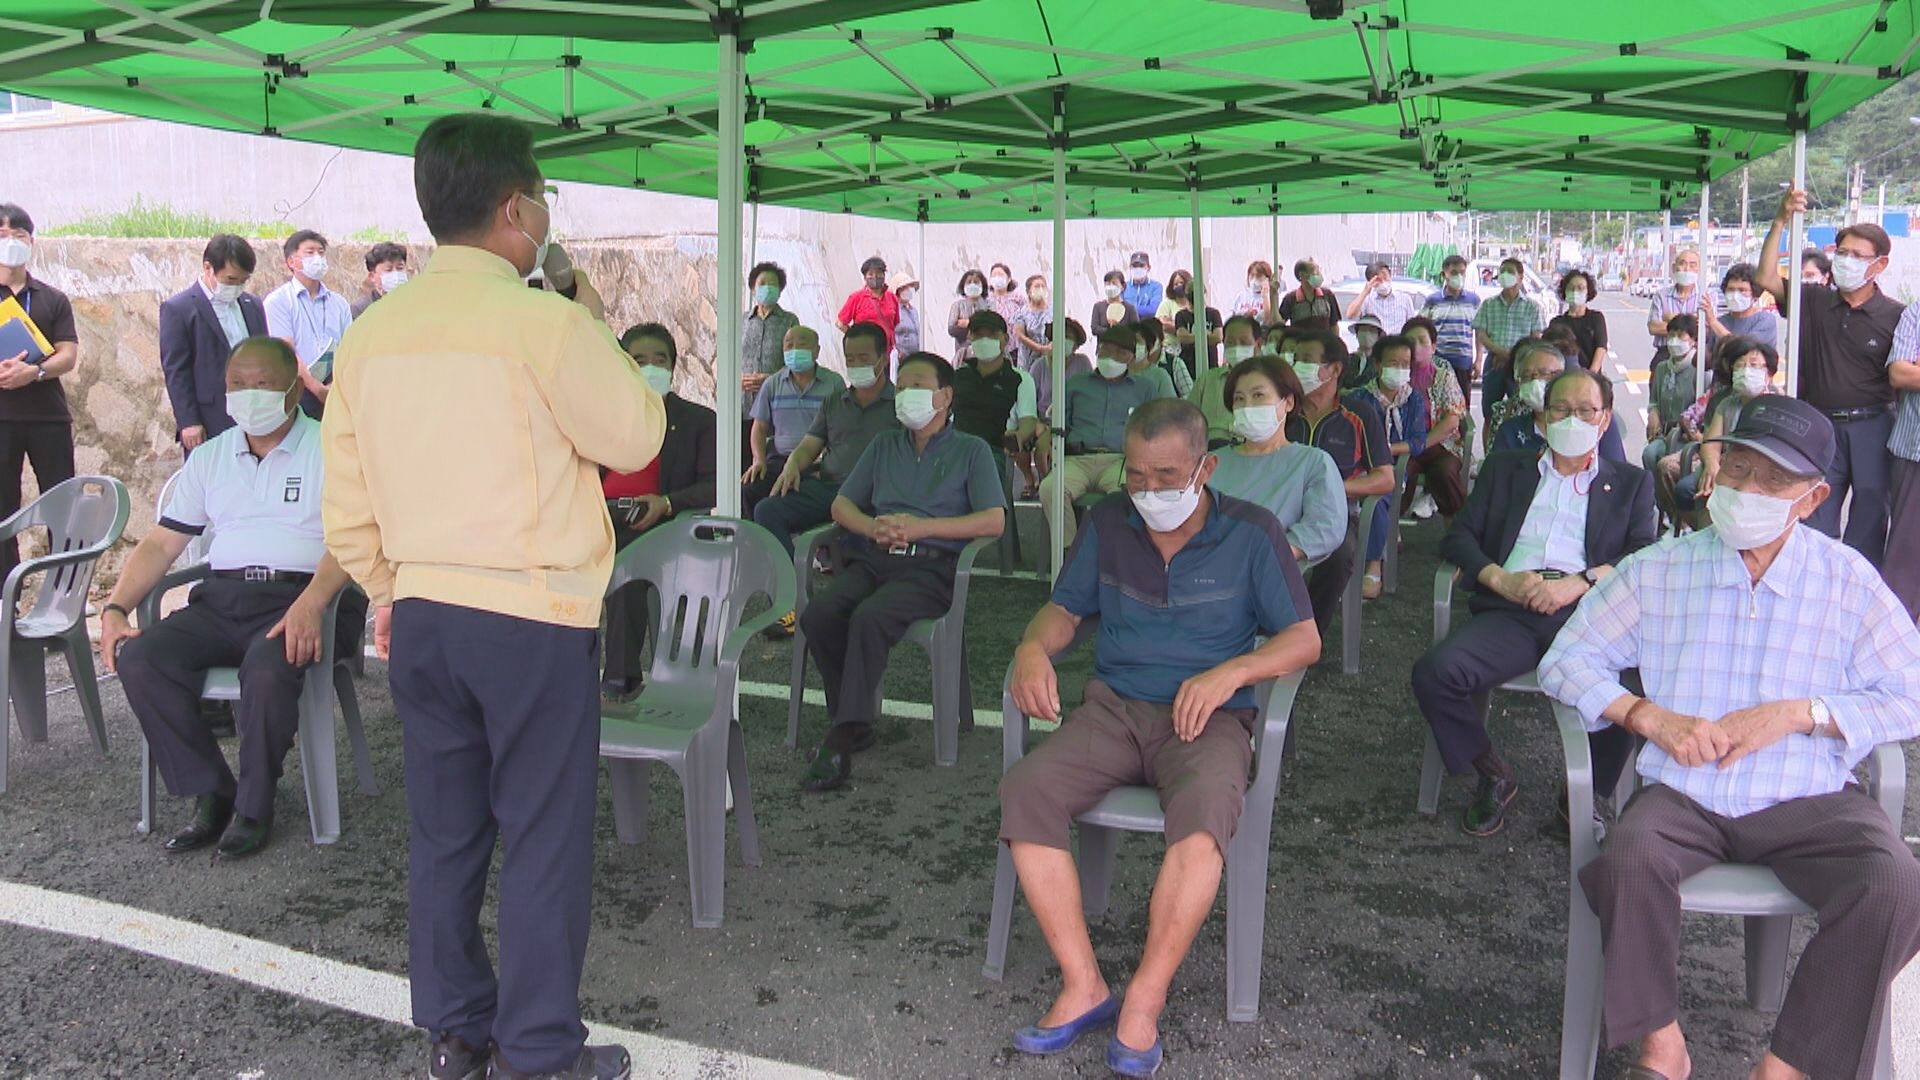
1866,412
261,573
911,551
1082,450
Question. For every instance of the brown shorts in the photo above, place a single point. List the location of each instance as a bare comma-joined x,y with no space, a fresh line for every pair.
1110,742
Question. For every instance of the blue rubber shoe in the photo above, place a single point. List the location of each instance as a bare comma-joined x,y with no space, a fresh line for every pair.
1052,1040
1126,1061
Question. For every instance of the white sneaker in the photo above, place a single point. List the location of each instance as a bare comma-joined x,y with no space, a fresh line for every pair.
1424,507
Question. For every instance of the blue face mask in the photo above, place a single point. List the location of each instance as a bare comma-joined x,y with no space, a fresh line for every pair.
799,360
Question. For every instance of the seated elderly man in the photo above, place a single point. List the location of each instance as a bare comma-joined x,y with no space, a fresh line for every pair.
915,498
1541,529
1182,579
802,494
680,479
1097,407
257,486
1518,422
1774,660
1354,434
783,413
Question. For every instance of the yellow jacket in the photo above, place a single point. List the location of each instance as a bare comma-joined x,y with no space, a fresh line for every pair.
467,415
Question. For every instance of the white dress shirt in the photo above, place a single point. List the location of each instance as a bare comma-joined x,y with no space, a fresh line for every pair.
228,312
1554,534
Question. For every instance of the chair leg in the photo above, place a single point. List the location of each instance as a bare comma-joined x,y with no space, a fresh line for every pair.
1097,846
704,790
1883,1046
27,688
1247,909
1350,602
1580,1015
796,686
1000,924
742,787
356,732
963,701
944,651
317,760
1390,581
628,779
1432,772
86,685
149,787
1767,939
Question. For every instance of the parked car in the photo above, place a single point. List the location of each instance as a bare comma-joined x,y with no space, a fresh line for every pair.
1483,280
1612,283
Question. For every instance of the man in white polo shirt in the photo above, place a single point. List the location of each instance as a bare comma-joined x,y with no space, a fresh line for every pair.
257,487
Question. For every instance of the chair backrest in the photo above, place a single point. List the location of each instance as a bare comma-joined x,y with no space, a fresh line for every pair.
196,549
704,571
84,515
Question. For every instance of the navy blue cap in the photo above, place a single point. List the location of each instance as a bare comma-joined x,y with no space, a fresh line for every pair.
1791,433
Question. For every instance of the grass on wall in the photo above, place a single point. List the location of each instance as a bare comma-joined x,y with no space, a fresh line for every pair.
144,220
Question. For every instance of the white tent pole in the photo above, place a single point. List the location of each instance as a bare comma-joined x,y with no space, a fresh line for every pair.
1700,290
920,271
1797,242
1057,409
727,274
753,234
1195,291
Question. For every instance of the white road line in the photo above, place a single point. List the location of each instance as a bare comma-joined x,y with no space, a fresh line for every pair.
374,994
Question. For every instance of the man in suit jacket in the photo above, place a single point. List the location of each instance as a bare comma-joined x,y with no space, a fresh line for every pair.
1541,528
680,480
199,327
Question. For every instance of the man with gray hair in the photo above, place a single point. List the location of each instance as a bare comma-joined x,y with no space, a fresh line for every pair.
1170,705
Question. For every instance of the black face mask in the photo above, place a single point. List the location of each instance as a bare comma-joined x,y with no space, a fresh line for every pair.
1178,292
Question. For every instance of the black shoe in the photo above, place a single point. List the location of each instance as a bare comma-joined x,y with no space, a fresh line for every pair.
782,628
454,1058
246,836
1487,814
1561,829
210,816
620,691
596,1063
863,739
831,768
219,718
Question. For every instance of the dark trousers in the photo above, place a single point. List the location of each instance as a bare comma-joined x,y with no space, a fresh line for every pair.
49,446
224,625
1860,464
752,492
500,724
1445,480
1463,374
1498,644
787,516
1496,385
629,617
1902,573
851,626
1327,581
1838,853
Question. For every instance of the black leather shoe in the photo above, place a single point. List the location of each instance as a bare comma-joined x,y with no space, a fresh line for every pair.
246,836
210,816
596,1063
863,739
831,768
454,1058
620,691
1487,814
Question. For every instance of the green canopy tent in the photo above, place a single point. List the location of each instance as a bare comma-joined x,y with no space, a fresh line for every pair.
995,110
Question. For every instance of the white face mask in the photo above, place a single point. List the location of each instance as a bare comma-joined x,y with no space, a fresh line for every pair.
1310,379
1165,511
540,245
860,376
1747,519
1256,285
1038,294
258,412
1111,368
226,293
905,295
1257,423
314,266
15,251
1112,290
1679,348
1456,282
1850,272
1739,302
392,280
1383,290
972,290
914,408
1752,381
1534,393
661,379
1573,437
1393,378
986,349
1576,297
1139,275
999,281
766,295
1684,279
1236,353
1509,279
1139,351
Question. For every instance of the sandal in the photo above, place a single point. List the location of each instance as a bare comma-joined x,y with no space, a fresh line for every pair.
1370,585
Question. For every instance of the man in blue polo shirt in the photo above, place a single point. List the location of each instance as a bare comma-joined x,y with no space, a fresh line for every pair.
784,412
1452,310
1183,580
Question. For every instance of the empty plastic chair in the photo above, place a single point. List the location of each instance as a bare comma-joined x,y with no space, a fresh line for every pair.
1350,600
1753,892
83,517
1390,578
1137,809
1433,771
942,638
703,572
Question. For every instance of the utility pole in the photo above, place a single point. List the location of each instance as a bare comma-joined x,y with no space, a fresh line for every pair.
1706,229
1854,179
1742,253
1880,217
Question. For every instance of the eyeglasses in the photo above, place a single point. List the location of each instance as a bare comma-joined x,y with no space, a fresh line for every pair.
1741,467
1587,413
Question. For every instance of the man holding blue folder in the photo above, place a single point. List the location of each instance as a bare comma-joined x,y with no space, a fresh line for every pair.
34,422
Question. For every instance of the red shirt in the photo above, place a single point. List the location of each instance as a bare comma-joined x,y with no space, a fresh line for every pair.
616,485
863,306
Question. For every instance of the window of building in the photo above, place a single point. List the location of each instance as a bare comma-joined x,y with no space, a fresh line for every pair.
12,104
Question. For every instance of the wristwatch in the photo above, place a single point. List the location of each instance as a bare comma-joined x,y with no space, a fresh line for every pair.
1588,577
1823,725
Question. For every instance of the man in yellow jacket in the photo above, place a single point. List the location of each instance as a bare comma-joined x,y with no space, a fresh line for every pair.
468,416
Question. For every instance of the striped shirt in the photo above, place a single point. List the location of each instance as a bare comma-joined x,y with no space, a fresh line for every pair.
1708,640
1667,303
790,409
1505,323
1453,317
1905,441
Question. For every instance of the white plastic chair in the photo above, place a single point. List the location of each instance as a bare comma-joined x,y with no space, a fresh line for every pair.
1433,771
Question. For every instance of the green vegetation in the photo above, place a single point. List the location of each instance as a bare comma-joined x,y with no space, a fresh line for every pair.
1877,133
144,220
374,234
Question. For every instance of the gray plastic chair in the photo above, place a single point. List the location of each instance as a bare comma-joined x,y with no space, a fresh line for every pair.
1752,892
1351,601
703,571
315,738
1137,809
944,640
83,517
1390,576
1433,771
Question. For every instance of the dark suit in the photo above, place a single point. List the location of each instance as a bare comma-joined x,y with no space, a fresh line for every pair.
687,469
193,356
1504,640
